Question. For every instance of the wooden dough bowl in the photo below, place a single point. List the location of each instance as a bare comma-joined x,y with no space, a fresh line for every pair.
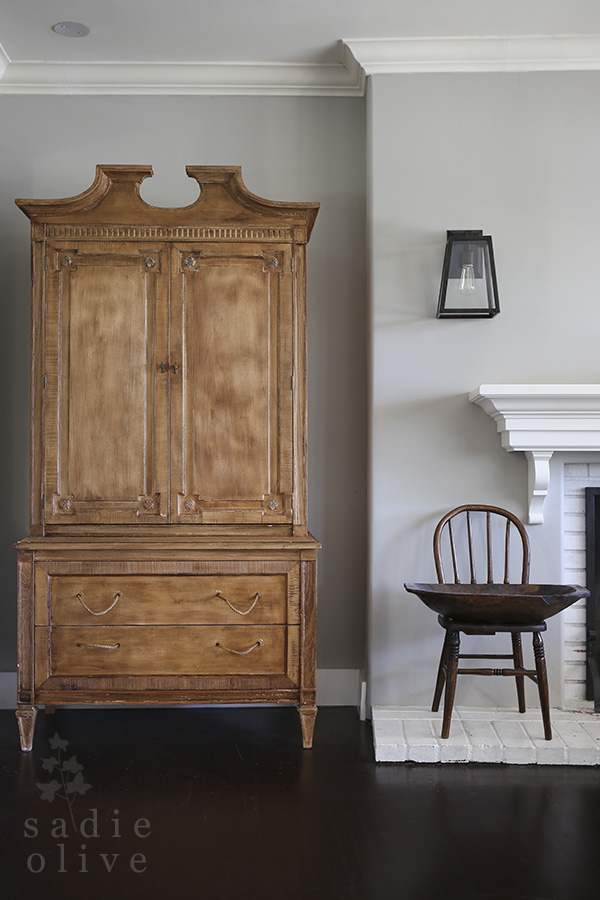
498,604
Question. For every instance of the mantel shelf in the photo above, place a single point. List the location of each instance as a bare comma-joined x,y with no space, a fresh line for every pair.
539,419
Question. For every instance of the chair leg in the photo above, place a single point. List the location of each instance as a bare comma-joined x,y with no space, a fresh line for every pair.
542,680
452,666
441,676
520,679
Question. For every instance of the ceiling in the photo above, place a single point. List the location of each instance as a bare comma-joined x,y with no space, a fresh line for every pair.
182,40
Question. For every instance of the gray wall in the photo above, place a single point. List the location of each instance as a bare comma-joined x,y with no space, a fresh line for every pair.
304,149
515,155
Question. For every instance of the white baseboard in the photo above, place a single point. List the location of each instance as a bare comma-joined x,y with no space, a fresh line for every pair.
335,687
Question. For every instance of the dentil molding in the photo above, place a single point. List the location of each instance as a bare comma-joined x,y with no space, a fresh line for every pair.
540,419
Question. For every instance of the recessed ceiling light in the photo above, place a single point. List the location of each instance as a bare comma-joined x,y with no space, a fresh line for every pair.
71,29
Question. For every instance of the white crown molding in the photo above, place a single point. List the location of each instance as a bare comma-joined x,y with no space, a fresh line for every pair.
360,57
517,53
540,419
279,79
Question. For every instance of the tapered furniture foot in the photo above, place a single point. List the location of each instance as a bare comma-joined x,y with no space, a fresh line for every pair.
441,676
308,715
518,661
542,680
452,670
26,716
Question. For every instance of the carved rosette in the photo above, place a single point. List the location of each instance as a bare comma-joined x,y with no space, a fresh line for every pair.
188,505
150,261
63,505
273,260
148,506
65,260
189,261
276,505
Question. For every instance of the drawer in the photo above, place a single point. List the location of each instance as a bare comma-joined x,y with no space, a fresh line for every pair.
165,600
167,650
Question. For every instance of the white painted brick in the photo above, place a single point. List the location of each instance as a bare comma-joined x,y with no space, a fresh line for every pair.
421,743
575,615
571,715
476,735
575,671
592,726
483,714
518,748
582,749
576,487
387,712
573,653
548,753
594,473
574,628
574,691
574,520
576,470
390,744
486,746
388,729
576,560
575,504
580,604
390,752
456,747
407,712
384,753
574,540
575,576
575,632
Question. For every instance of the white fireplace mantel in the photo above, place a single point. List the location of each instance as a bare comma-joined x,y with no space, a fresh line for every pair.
539,419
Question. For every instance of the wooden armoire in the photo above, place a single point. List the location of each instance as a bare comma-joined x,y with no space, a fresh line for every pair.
168,559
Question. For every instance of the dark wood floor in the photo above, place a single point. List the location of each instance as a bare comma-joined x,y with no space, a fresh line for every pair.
227,805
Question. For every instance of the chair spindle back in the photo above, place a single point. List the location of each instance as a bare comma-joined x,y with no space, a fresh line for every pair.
459,527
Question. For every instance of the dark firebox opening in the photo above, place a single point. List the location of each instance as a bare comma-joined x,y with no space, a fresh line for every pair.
592,547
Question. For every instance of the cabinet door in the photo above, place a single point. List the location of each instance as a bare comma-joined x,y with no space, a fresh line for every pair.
231,403
105,404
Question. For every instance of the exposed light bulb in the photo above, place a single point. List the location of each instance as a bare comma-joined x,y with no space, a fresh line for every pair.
467,284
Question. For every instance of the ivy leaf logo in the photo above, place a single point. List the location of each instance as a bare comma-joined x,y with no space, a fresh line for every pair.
49,790
70,773
77,785
57,744
71,765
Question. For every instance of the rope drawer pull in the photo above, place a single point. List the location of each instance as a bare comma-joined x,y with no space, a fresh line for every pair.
234,608
100,646
103,613
241,652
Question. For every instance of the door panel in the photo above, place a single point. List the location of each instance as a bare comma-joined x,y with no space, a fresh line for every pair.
106,404
231,407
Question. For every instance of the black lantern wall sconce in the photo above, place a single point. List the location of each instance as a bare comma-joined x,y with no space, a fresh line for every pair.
468,289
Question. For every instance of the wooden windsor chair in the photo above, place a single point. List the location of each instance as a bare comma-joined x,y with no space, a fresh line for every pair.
446,544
